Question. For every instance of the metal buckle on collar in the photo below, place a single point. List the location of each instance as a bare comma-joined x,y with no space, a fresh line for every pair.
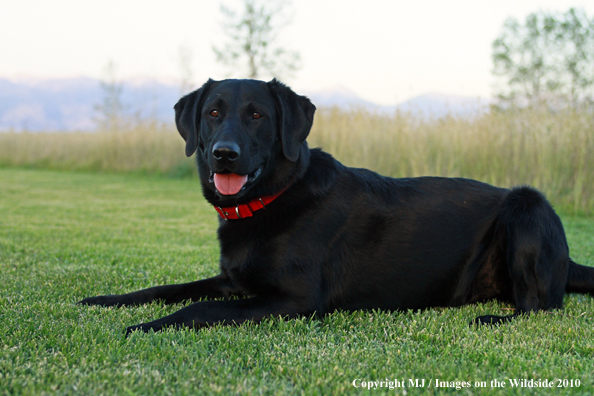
248,211
225,214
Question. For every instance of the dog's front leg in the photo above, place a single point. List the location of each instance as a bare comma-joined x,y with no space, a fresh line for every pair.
226,312
215,287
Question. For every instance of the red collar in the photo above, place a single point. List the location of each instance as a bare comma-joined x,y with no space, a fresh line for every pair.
247,210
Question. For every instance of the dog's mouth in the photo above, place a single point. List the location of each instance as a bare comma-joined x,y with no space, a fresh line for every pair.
232,183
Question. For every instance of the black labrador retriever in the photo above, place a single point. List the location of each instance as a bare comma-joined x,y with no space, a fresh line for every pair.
301,233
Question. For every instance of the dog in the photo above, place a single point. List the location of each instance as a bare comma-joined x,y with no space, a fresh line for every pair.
302,234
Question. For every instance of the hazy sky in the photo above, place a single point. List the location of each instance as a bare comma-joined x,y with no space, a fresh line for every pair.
384,51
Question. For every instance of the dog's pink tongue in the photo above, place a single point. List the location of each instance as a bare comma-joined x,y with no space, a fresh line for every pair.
229,183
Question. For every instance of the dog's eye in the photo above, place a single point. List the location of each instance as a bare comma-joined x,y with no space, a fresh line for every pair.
256,115
214,113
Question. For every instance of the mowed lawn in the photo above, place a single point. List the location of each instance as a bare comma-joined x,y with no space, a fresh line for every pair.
65,236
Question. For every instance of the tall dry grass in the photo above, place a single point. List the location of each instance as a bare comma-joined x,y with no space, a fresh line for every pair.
144,149
551,151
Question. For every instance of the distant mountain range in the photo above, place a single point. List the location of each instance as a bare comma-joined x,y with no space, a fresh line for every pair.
430,105
68,104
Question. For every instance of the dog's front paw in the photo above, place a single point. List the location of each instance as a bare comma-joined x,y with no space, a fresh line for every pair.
105,301
157,325
174,320
140,327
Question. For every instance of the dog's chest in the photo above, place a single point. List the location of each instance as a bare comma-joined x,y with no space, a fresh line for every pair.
247,260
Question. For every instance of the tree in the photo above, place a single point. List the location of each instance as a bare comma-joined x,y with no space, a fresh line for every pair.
252,40
111,111
547,60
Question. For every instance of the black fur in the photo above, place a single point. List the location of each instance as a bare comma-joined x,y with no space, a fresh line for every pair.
344,238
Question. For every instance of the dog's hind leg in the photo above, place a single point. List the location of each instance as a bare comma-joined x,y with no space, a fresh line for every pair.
536,251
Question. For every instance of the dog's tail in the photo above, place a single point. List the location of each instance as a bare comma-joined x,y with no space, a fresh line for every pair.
580,279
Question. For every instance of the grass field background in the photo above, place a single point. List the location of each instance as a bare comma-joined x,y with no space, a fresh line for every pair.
67,235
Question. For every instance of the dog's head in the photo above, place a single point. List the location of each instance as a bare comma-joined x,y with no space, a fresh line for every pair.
249,137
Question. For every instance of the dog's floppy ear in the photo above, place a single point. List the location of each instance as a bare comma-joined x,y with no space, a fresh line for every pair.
296,117
187,116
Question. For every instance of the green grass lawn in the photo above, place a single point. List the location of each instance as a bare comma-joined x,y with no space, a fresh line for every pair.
65,236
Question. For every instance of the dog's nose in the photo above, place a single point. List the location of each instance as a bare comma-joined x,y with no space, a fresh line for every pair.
225,151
